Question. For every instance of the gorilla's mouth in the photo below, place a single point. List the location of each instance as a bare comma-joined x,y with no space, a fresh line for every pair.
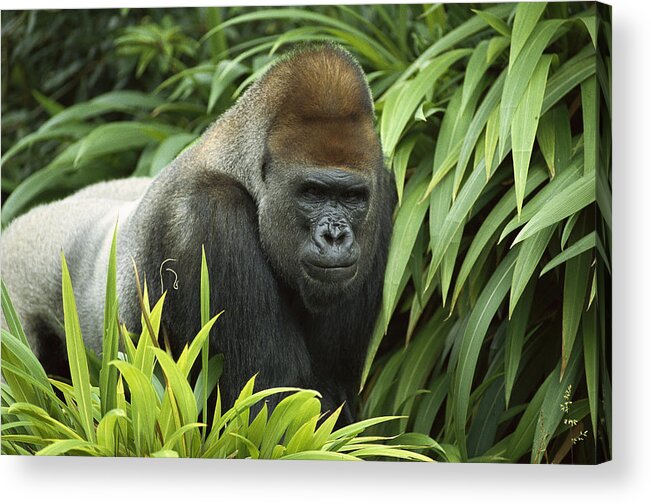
330,273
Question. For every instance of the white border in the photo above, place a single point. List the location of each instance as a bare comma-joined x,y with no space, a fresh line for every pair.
627,479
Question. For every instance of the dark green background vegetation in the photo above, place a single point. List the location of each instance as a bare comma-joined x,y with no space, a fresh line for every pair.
495,119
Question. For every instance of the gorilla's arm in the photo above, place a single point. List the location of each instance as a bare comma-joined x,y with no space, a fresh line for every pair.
255,333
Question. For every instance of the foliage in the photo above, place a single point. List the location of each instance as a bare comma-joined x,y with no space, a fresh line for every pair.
141,402
495,121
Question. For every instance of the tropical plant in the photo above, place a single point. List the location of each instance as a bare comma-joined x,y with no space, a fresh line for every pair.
141,402
495,121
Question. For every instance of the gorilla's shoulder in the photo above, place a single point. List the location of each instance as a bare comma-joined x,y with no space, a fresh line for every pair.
214,188
128,189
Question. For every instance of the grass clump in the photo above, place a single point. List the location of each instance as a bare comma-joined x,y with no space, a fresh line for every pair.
142,402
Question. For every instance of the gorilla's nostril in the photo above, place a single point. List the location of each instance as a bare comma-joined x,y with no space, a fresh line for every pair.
333,238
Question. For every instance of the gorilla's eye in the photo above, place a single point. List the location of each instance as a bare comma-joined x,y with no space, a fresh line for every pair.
314,192
354,195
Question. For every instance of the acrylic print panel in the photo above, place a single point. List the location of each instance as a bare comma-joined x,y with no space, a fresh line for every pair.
375,232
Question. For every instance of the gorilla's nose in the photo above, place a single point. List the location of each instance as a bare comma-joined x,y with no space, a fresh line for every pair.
335,244
334,238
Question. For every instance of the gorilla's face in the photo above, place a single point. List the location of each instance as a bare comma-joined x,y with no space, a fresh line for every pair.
316,231
331,205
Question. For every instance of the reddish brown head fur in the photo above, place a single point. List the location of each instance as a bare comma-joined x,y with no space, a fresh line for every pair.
325,117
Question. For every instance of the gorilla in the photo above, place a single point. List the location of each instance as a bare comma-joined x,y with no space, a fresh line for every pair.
289,195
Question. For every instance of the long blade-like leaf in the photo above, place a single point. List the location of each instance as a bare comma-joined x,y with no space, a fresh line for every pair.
473,338
525,124
77,354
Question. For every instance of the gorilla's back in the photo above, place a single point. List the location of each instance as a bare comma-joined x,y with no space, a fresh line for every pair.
81,227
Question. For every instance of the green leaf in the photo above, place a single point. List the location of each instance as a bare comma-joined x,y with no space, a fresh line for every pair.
280,419
358,427
483,429
550,414
106,435
456,217
45,423
555,186
490,139
319,455
475,70
365,44
52,107
389,452
591,353
568,228
439,207
494,22
226,72
570,74
515,333
520,74
477,251
38,182
303,438
114,101
405,230
526,17
401,101
108,377
118,137
168,150
177,436
425,110
164,454
582,245
25,376
521,440
546,140
430,404
11,317
471,342
495,47
63,446
459,133
68,131
215,368
400,162
590,23
525,124
573,198
324,431
77,354
590,111
145,406
529,256
418,362
577,274
205,349
457,35
470,134
179,385
218,42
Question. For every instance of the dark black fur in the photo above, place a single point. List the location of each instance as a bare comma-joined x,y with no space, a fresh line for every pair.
265,328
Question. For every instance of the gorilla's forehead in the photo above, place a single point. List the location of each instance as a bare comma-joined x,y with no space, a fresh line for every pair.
332,176
348,142
325,112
